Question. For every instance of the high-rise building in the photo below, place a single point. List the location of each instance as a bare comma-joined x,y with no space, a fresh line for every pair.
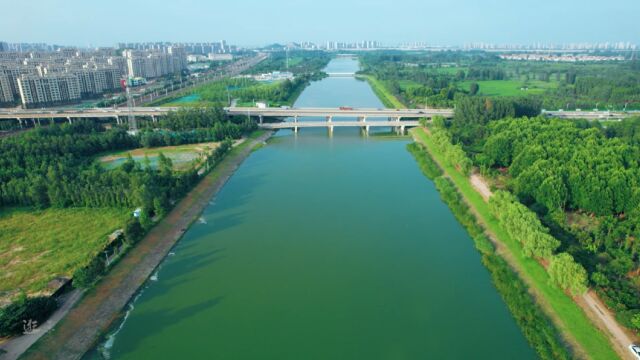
48,90
6,95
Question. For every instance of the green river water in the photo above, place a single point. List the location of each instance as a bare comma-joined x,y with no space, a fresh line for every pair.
322,247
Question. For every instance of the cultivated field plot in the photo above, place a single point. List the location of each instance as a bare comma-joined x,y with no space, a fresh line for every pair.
182,156
37,246
510,87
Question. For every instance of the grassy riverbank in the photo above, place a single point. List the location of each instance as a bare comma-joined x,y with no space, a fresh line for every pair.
382,93
568,316
79,330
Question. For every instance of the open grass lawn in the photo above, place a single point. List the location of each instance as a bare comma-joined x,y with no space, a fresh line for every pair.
36,246
572,319
510,87
182,156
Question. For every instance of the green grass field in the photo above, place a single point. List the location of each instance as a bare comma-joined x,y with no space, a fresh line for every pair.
570,316
510,87
182,156
36,246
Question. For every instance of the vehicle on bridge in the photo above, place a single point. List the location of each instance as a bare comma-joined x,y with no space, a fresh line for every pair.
345,108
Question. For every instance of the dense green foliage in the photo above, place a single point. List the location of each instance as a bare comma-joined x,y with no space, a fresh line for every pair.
584,182
55,166
472,114
523,224
536,327
13,318
567,274
594,173
454,153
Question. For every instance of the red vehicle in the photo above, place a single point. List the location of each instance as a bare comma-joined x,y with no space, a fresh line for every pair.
346,108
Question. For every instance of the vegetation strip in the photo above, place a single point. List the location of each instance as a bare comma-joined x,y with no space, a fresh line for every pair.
101,306
570,317
382,93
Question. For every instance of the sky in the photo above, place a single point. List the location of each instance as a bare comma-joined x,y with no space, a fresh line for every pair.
262,22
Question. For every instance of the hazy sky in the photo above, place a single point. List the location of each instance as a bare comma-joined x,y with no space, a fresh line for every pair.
258,22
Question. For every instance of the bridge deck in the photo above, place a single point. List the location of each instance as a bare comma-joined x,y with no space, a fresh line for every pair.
329,124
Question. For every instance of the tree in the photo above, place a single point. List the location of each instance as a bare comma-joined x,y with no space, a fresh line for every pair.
474,88
568,274
133,230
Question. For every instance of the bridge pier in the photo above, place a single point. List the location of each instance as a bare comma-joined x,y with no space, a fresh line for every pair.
295,129
400,130
154,119
329,118
260,119
69,119
20,121
330,131
295,119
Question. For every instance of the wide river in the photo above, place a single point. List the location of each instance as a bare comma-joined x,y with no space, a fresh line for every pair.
322,247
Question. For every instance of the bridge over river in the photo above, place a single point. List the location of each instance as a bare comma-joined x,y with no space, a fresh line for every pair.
398,116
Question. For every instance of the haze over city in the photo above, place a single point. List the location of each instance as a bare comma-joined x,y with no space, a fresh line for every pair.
258,22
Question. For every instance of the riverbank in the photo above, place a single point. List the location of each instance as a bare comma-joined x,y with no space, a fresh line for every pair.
382,92
83,325
576,327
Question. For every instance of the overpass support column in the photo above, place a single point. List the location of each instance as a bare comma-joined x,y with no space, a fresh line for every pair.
366,130
295,129
20,121
260,119
295,119
330,130
69,119
402,130
398,118
329,118
154,119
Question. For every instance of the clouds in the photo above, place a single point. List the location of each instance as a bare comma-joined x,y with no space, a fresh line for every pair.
255,22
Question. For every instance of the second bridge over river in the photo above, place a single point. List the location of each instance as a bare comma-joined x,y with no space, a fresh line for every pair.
366,118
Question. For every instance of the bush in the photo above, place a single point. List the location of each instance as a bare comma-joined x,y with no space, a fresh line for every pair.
35,309
86,276
133,230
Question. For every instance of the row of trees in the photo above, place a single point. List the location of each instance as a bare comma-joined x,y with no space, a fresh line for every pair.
54,166
523,225
453,152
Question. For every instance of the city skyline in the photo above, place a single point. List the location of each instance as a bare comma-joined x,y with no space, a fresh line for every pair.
252,23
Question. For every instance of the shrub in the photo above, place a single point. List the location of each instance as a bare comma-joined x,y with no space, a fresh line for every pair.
37,309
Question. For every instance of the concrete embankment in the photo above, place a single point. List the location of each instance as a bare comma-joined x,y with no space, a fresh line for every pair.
93,315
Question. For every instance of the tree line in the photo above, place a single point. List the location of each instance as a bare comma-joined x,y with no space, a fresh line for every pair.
582,180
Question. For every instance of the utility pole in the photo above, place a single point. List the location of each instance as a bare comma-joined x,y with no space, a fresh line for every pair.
133,126
287,57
